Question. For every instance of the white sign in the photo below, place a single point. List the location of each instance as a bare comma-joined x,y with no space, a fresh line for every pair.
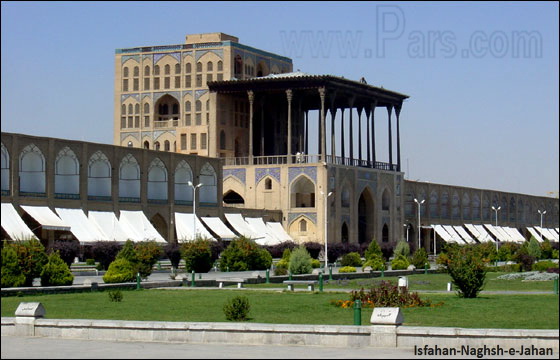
387,316
30,309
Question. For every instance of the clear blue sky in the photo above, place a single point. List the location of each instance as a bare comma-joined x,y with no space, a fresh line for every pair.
482,77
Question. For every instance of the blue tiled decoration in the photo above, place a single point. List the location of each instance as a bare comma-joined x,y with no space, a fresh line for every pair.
187,53
238,173
176,55
157,134
199,93
219,52
134,134
386,220
363,183
310,215
147,95
260,173
345,219
125,58
135,96
148,57
310,171
185,93
175,94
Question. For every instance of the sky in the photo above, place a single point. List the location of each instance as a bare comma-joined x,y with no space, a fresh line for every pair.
482,77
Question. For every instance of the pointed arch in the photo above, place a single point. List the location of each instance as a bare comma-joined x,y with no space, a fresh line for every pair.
466,205
385,233
366,216
386,200
129,179
302,192
5,168
99,175
32,170
183,192
434,209
157,180
344,233
209,191
232,197
67,172
159,223
345,196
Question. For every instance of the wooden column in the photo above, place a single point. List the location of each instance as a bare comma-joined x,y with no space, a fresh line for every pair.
351,108
360,133
289,139
251,96
323,125
368,137
373,105
397,113
342,141
389,110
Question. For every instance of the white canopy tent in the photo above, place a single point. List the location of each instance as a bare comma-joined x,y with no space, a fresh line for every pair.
46,217
497,234
555,234
270,237
13,224
545,233
505,233
109,225
514,234
217,226
464,234
278,230
443,233
456,237
139,227
535,234
242,227
185,231
484,234
83,229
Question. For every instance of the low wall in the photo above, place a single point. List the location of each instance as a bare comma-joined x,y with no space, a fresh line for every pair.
282,334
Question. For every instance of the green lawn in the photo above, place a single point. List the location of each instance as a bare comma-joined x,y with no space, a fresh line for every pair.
432,282
487,311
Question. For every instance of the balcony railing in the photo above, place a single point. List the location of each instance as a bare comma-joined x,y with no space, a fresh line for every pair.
158,124
308,159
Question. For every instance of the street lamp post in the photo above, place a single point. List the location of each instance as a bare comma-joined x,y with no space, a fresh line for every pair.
419,228
542,214
326,196
496,211
194,205
406,225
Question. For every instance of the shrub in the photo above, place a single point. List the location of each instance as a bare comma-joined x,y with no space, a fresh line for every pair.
237,309
334,251
347,269
384,295
373,250
402,248
534,249
351,259
244,254
115,295
546,250
315,264
12,275
31,258
400,263
105,252
488,251
300,261
420,258
68,250
281,267
56,272
90,261
277,250
197,255
147,253
173,252
387,249
507,251
544,265
313,248
375,262
120,270
466,268
523,258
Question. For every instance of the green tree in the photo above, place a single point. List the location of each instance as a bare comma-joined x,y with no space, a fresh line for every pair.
197,255
56,272
466,268
121,270
12,275
373,250
300,261
402,248
534,248
420,258
400,262
244,254
31,257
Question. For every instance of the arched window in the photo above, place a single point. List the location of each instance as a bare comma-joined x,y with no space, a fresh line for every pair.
130,144
99,175
466,204
31,170
345,198
125,71
137,109
123,110
455,209
177,68
175,109
188,68
434,204
156,145
157,180
156,70
146,144
146,70
136,71
385,234
238,65
167,69
302,192
183,174
187,106
129,179
209,66
302,225
198,105
385,200
67,173
445,205
220,65
222,140
146,108
5,170
129,109
166,145
209,191
232,197
198,67
268,184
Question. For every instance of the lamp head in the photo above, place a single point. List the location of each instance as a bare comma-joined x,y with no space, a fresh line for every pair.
190,183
